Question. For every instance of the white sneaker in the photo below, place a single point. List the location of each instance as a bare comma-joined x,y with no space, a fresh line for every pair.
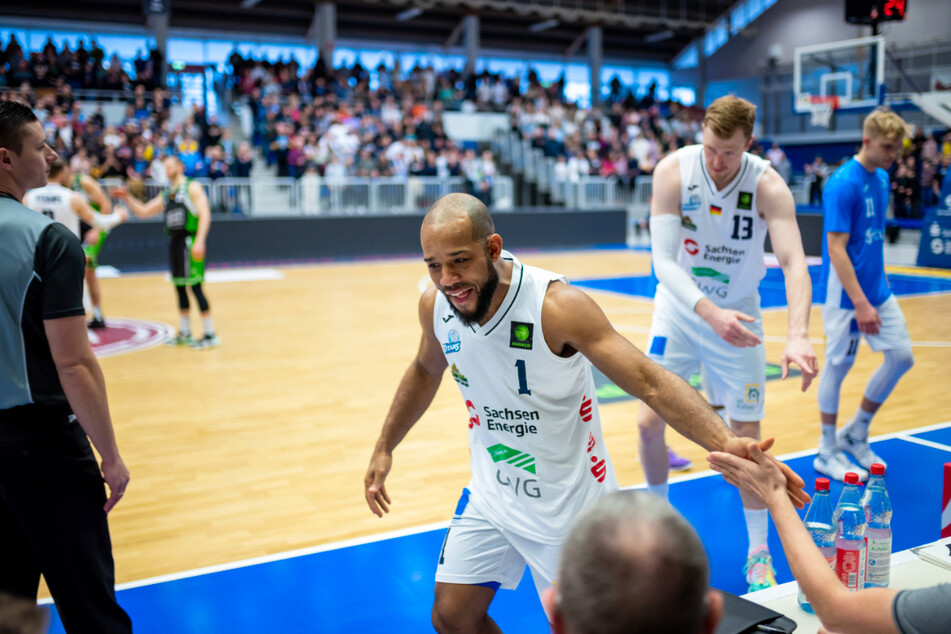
859,449
836,465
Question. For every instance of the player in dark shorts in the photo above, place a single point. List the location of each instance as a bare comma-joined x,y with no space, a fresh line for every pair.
187,221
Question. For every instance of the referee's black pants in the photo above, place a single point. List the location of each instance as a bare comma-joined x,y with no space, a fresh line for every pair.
52,522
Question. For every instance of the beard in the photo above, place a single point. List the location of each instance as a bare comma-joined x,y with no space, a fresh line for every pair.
486,291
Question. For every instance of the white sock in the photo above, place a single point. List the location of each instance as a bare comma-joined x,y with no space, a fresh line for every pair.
208,325
757,527
97,313
184,326
660,490
858,428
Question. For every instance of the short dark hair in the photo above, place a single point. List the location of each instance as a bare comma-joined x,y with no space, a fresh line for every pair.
14,117
630,565
57,166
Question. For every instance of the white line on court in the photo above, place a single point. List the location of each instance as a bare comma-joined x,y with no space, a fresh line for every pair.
902,435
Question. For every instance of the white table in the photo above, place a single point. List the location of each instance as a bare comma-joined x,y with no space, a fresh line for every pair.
908,571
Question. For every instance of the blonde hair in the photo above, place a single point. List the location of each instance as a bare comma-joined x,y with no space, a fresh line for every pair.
883,122
728,114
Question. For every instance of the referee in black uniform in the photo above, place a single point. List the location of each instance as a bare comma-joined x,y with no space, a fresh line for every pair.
52,395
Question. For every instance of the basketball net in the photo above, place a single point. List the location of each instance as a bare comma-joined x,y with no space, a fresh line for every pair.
821,109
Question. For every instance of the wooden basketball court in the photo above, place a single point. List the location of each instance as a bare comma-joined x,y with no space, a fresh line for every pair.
260,446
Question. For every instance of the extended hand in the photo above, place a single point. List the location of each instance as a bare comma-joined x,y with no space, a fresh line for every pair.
374,489
749,449
800,352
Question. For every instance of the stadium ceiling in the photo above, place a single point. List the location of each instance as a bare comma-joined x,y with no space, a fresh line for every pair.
644,30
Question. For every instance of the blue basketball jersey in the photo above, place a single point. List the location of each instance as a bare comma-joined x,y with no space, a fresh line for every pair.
854,201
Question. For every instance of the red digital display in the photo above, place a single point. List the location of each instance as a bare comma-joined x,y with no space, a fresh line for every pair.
894,10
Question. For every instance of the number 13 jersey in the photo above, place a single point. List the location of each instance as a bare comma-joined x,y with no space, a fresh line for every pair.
536,449
722,232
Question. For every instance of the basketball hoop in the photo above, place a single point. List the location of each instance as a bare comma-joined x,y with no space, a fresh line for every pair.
821,108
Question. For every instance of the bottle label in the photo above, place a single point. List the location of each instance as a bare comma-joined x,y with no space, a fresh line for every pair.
850,567
879,561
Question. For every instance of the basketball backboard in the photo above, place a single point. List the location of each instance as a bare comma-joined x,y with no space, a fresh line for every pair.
850,71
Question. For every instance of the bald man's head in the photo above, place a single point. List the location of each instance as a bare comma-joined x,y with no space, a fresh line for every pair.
456,208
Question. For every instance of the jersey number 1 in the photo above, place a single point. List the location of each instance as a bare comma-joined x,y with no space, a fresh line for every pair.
522,378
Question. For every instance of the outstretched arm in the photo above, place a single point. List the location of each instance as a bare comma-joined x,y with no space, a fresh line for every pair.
100,221
838,609
413,396
140,209
776,203
574,322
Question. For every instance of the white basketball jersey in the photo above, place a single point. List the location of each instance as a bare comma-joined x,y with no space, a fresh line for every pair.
722,231
54,201
536,450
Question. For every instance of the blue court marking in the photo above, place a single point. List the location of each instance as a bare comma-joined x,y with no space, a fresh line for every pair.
387,585
772,287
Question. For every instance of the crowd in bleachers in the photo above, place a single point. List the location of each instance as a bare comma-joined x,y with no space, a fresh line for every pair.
351,122
329,121
81,68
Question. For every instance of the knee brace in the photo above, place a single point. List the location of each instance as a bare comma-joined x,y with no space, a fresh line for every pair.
200,298
886,377
830,384
182,297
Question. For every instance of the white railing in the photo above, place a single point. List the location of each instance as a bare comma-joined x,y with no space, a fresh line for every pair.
313,195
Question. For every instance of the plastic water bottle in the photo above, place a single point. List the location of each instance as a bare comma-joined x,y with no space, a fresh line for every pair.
878,531
850,549
819,524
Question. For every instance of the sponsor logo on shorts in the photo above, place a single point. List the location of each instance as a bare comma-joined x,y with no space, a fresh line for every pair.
745,201
521,335
514,457
658,345
687,223
754,392
121,336
453,344
459,376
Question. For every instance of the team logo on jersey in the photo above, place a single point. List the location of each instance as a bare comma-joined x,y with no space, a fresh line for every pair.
713,274
687,223
753,393
715,211
128,335
453,344
473,415
446,319
514,457
521,335
459,376
691,246
690,188
745,201
692,204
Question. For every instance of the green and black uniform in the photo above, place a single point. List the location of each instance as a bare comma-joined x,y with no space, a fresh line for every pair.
91,249
181,224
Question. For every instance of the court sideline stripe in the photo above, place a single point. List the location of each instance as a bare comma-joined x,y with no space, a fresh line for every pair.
415,530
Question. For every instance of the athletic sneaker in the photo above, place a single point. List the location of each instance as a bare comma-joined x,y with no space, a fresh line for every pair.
859,449
835,465
181,339
677,463
96,323
208,341
759,570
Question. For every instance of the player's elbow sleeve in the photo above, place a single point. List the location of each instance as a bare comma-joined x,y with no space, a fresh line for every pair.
665,241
